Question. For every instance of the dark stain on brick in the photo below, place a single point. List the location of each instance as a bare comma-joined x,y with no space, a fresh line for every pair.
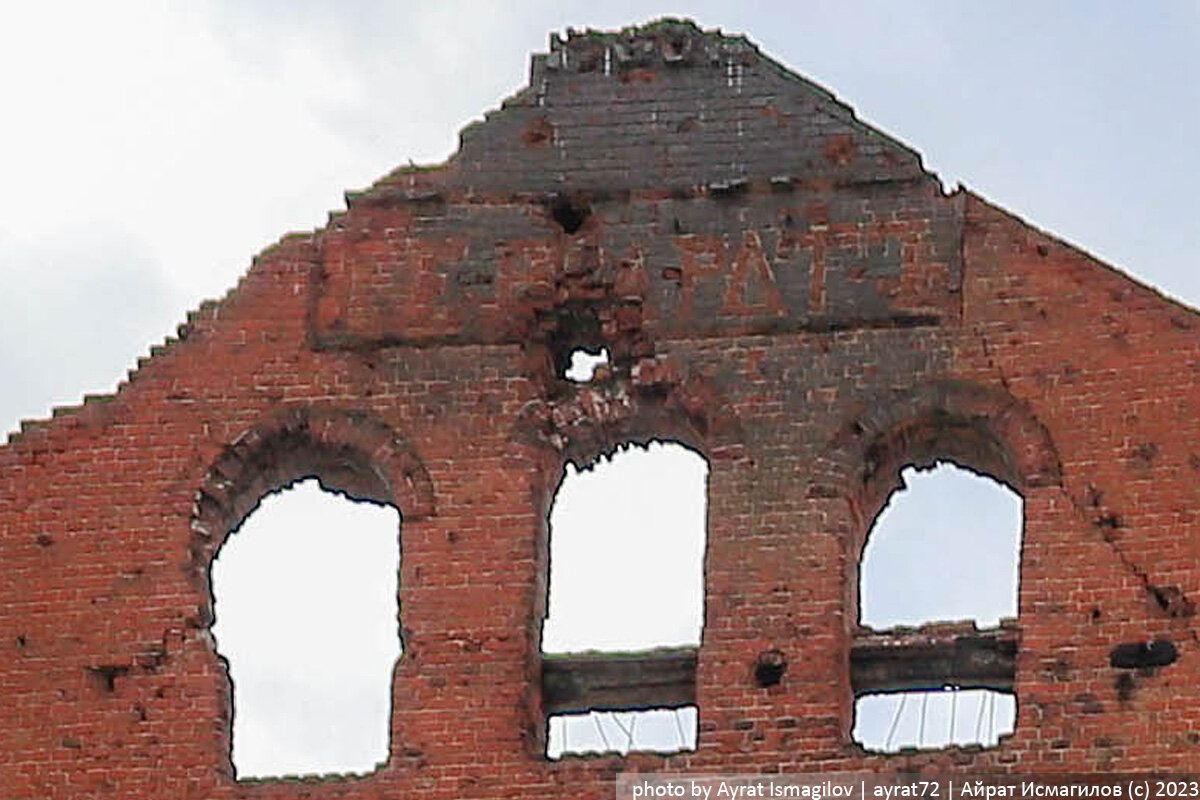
44,540
1125,686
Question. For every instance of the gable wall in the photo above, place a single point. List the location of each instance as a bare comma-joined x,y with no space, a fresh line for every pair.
809,320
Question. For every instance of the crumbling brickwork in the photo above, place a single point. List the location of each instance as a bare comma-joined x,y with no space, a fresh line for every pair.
781,287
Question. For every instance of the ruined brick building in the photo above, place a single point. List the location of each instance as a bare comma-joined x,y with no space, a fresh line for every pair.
781,288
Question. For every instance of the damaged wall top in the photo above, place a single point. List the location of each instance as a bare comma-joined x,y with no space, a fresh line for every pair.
782,288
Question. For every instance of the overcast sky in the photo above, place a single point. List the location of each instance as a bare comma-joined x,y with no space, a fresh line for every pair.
150,149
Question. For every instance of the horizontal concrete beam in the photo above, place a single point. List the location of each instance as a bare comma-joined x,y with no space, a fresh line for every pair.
578,683
933,657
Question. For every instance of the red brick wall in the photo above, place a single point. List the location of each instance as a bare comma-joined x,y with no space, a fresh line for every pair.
782,288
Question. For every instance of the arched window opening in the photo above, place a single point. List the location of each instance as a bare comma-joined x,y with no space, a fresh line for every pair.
305,606
627,541
942,560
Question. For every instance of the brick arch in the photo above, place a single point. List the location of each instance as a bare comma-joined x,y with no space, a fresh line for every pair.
980,428
351,452
595,419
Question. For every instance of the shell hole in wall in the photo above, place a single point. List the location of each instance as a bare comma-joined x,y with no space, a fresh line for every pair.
305,605
627,542
584,363
946,547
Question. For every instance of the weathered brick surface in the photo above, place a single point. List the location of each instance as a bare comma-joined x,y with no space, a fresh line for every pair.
782,288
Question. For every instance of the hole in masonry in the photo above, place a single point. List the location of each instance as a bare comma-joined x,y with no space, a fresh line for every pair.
891,721
305,604
627,540
584,363
570,215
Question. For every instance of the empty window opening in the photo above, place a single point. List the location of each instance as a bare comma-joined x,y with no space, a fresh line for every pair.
305,605
627,539
895,720
945,548
664,730
584,363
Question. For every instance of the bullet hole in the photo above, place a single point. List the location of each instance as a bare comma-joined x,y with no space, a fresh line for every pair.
1043,251
1095,615
1125,687
1132,655
769,668
1058,670
44,539
1088,703
106,675
1144,454
1109,524
21,640
677,227
570,215
1172,600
